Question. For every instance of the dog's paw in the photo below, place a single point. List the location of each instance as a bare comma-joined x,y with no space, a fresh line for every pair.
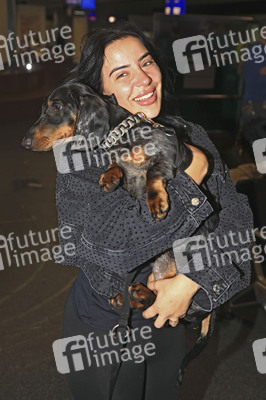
158,205
111,179
140,298
143,296
116,301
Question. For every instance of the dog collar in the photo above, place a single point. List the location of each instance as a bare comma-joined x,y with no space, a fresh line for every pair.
168,131
120,130
127,124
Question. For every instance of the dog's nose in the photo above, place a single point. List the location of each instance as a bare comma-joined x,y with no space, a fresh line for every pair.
27,143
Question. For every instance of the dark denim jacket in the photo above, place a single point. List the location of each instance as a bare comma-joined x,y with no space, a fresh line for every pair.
114,233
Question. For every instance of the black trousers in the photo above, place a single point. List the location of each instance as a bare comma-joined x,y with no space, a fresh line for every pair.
150,362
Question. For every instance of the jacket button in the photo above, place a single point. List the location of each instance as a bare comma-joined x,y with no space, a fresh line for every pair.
216,288
195,201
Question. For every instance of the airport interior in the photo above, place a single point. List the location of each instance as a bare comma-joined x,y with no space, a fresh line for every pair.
215,52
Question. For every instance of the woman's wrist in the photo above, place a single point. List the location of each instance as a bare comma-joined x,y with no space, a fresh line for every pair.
199,165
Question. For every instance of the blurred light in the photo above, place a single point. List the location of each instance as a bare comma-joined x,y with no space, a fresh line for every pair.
111,19
175,7
88,4
28,66
79,12
73,2
92,16
168,7
179,7
176,10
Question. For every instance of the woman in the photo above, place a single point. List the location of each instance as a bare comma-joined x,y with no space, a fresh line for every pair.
113,234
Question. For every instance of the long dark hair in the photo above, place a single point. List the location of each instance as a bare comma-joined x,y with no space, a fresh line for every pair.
89,69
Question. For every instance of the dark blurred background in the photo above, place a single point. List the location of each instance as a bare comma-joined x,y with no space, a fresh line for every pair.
33,290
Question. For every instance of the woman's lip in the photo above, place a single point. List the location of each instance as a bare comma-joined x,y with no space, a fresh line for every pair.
148,101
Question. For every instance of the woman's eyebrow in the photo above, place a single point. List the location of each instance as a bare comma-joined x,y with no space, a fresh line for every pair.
117,68
127,65
144,55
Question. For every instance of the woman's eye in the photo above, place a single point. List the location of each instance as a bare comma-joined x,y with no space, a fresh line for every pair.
121,75
147,63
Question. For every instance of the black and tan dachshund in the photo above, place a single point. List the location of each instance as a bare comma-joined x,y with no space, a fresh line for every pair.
74,109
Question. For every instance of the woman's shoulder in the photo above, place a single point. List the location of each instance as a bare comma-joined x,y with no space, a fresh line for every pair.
197,133
186,129
199,137
193,133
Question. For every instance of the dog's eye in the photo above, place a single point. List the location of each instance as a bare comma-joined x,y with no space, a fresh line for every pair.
56,107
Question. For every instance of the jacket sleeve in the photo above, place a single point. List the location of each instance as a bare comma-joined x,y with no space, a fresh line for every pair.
114,230
220,259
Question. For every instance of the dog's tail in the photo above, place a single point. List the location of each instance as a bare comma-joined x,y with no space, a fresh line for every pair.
206,332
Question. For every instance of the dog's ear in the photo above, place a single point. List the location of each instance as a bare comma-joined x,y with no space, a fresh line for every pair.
117,113
93,119
92,115
111,98
97,115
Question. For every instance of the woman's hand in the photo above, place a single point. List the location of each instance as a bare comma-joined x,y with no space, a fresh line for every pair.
174,296
199,165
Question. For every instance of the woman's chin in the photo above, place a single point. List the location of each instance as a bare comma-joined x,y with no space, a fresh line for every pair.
151,114
150,111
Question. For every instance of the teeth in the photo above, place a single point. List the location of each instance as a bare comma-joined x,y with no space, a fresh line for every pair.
144,97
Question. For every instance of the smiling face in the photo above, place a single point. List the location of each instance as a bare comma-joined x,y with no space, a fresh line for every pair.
130,73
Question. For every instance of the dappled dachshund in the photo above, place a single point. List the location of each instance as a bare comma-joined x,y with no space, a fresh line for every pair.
74,109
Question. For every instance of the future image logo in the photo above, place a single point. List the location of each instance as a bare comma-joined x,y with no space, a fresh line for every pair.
259,150
195,47
4,45
71,354
35,247
190,253
35,47
198,52
78,152
78,353
71,154
259,349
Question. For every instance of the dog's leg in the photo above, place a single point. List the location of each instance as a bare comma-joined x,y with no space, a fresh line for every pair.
111,178
141,298
157,197
163,267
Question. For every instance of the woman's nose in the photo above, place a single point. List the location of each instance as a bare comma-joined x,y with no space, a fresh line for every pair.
142,79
